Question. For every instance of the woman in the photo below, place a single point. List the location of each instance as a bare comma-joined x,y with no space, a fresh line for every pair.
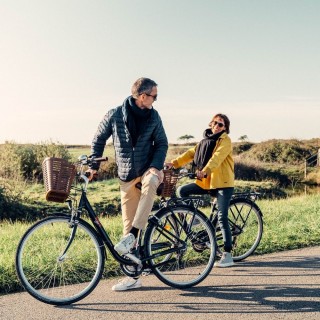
214,163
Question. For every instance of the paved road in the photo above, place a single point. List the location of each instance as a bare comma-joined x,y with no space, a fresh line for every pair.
283,285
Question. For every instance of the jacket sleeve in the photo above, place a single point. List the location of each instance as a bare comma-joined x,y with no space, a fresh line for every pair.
184,158
103,133
220,153
160,147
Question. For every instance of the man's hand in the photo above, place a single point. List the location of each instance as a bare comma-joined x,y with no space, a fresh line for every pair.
158,173
92,174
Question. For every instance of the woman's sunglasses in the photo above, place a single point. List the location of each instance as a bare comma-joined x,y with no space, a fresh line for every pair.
220,124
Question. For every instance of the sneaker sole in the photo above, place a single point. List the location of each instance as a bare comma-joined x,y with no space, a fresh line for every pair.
227,265
127,288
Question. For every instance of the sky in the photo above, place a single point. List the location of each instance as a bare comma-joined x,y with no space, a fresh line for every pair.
64,64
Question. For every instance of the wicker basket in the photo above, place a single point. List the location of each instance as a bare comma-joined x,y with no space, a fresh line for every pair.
169,182
58,175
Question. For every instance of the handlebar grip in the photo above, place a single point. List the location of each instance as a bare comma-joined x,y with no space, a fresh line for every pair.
101,159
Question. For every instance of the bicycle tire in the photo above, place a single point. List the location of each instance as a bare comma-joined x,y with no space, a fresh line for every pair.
246,224
182,253
50,277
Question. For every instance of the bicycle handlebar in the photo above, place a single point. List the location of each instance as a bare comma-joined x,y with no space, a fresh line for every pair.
85,160
185,173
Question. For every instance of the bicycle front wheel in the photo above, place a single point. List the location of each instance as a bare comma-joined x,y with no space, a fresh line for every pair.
52,274
180,245
246,225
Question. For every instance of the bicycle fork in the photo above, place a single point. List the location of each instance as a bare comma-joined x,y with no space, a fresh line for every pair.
74,226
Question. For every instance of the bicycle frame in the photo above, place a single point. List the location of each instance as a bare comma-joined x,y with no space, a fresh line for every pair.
252,196
133,260
85,204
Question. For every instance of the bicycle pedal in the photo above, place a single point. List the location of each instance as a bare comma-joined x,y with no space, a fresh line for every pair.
146,272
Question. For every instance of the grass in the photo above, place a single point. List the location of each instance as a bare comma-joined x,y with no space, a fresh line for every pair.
288,224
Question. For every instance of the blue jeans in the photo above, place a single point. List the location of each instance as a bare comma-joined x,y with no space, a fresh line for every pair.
223,199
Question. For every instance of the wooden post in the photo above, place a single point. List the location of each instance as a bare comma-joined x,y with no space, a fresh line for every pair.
305,168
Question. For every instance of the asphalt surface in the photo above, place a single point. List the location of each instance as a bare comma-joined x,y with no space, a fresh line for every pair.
284,285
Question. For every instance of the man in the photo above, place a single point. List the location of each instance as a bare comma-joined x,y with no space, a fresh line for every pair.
140,145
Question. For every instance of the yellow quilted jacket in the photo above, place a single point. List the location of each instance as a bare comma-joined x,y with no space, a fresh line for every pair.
220,167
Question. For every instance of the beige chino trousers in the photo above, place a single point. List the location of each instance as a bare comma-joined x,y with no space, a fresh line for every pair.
136,204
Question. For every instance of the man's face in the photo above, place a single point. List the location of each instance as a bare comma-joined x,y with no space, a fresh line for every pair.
145,100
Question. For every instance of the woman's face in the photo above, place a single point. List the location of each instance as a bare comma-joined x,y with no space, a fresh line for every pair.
217,125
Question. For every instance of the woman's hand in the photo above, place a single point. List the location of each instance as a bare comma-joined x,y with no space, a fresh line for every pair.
201,174
168,165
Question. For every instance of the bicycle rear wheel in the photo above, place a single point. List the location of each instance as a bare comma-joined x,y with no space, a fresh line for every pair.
181,246
246,224
51,276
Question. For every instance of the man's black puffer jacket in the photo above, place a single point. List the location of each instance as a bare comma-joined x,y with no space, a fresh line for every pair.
149,151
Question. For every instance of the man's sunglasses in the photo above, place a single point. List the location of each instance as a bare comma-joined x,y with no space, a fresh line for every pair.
220,124
150,95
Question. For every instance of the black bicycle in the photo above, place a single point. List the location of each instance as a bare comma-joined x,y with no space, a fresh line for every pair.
245,217
60,259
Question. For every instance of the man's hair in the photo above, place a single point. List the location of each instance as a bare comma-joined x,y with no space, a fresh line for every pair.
142,85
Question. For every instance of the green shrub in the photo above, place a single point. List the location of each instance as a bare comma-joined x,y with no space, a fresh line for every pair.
108,170
251,170
10,165
313,177
24,161
241,147
279,151
13,202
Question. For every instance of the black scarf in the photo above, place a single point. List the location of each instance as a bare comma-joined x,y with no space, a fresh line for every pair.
205,148
137,119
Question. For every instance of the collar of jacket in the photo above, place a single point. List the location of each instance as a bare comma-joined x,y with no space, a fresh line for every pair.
126,104
208,134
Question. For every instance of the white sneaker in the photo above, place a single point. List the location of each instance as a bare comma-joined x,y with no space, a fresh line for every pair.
125,244
127,284
225,261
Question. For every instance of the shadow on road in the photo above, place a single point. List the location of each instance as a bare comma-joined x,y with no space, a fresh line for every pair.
295,262
253,297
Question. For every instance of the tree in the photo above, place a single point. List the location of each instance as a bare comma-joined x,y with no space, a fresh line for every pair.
243,138
186,137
